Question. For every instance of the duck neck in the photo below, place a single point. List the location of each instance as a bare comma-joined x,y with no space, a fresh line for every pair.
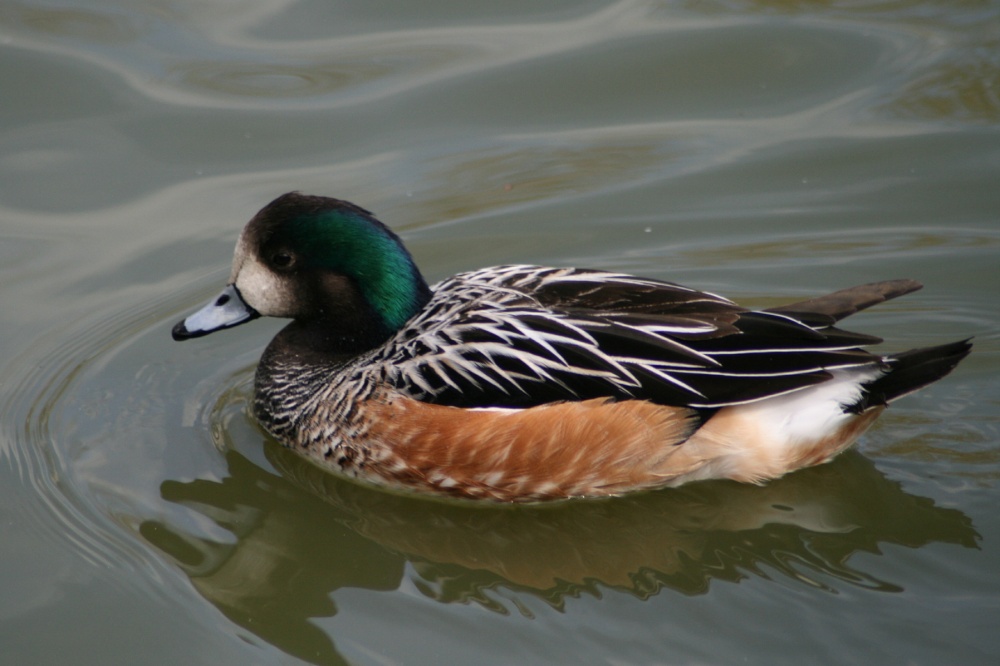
298,363
317,342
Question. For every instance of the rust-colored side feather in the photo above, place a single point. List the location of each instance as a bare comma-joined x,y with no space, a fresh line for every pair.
593,447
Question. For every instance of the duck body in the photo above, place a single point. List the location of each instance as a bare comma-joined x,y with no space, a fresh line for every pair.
521,383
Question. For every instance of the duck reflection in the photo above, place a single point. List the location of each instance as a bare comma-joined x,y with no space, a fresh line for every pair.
303,535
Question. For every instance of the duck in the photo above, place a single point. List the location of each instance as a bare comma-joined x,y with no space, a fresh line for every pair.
522,383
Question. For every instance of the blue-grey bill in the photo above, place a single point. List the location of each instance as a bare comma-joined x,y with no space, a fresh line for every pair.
226,310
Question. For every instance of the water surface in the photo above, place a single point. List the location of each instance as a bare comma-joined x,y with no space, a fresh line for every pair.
768,151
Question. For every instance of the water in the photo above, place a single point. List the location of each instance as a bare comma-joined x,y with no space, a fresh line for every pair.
765,150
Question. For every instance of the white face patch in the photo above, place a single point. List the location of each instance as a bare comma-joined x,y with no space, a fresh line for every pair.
265,291
240,255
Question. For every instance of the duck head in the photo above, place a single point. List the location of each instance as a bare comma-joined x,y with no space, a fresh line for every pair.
325,263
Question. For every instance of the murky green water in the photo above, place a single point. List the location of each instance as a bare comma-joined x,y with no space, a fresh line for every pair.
765,150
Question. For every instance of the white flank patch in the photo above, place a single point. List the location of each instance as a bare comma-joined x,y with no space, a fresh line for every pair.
812,413
765,439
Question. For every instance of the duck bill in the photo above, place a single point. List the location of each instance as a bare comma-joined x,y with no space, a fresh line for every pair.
226,310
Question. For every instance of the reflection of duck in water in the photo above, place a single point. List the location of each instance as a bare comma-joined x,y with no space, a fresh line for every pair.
524,383
293,549
681,538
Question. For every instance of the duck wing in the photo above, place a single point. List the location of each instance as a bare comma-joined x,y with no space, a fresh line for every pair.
518,336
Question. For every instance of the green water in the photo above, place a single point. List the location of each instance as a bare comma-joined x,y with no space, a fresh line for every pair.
768,151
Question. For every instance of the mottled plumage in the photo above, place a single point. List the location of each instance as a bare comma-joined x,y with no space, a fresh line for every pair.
527,382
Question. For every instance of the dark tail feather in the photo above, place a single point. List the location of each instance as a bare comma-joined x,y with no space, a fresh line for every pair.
913,370
826,310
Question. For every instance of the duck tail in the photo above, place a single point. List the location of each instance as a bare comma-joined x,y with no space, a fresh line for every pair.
912,370
829,309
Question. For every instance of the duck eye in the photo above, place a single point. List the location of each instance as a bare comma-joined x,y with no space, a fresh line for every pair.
282,260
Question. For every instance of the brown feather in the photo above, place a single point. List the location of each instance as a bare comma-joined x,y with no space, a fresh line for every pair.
594,447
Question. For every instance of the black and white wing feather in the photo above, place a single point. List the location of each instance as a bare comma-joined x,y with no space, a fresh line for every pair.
516,336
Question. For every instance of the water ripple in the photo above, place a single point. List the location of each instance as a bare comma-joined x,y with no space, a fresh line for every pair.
71,412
